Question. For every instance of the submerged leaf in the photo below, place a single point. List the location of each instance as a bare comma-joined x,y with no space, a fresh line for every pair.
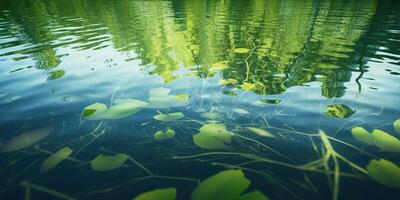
209,115
230,93
241,50
260,132
169,117
160,135
55,159
26,139
362,135
271,101
385,172
181,96
240,111
212,136
158,194
105,163
56,75
339,111
226,185
385,141
396,126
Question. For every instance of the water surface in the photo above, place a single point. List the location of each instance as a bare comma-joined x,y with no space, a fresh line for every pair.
291,68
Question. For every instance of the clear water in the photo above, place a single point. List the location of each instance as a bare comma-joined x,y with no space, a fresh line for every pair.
294,67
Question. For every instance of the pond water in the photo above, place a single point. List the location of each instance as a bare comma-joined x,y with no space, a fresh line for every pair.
199,99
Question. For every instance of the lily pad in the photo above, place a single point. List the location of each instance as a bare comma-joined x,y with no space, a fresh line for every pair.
385,141
362,135
160,98
26,139
241,50
124,108
248,86
169,117
160,135
396,126
158,194
55,159
226,185
260,132
240,111
339,111
385,172
105,163
93,112
212,136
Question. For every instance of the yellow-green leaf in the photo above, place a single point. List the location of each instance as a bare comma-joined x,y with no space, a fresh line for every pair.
260,132
212,136
160,135
241,50
385,172
396,126
105,163
169,117
26,139
158,194
385,141
55,159
362,135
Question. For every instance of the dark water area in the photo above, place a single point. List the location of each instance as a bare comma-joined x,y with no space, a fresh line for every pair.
199,99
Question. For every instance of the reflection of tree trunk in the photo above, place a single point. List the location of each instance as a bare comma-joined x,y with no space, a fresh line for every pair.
305,48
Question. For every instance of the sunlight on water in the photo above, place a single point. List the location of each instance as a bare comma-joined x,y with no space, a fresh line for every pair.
199,99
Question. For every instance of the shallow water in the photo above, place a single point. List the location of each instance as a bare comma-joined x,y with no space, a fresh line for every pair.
289,67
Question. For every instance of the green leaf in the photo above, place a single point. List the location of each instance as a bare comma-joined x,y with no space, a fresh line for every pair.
271,101
240,111
26,139
241,50
362,135
56,75
248,86
219,66
212,136
226,185
169,101
339,111
93,112
169,117
209,115
385,141
160,135
105,163
385,172
396,126
260,132
123,108
158,194
182,96
55,159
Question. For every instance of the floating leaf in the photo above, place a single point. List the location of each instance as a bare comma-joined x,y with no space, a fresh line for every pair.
160,98
159,92
230,93
160,135
212,136
385,141
240,111
228,81
385,172
396,126
26,139
158,194
55,159
93,111
105,163
248,86
260,132
271,101
241,50
362,135
169,117
339,111
226,185
123,108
